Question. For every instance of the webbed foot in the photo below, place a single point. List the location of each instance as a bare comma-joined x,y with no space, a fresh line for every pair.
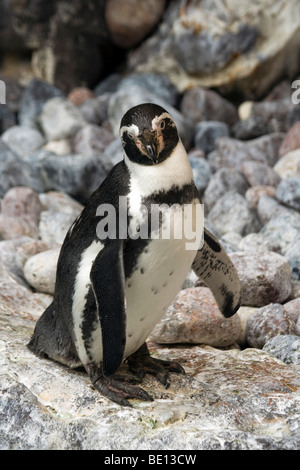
117,388
141,363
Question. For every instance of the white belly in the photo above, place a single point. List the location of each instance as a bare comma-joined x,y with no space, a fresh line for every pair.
161,272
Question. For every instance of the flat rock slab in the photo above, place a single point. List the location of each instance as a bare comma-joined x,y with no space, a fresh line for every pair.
227,400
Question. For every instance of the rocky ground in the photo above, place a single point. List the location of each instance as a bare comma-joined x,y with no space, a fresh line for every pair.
241,388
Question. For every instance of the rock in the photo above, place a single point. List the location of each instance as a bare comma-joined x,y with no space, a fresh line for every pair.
233,153
23,140
33,99
108,84
282,229
91,140
130,22
60,119
134,94
222,181
200,104
21,201
79,95
57,201
15,172
251,128
194,49
70,173
27,249
258,174
233,213
292,255
59,147
194,317
267,322
230,241
40,270
9,258
254,193
244,313
113,152
207,132
292,308
201,172
291,140
279,116
255,242
289,165
94,110
15,227
264,276
288,192
53,226
268,208
284,347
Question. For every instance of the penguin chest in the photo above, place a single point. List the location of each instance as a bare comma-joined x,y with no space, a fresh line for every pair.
158,275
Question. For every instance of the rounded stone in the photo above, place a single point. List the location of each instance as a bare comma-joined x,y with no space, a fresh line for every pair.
194,317
264,275
40,270
267,322
284,347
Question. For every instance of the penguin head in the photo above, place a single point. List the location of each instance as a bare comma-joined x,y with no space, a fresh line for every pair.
148,134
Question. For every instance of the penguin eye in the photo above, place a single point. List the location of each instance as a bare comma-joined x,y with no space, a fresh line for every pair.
162,124
130,135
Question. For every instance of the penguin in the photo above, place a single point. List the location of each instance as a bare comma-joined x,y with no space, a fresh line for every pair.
112,286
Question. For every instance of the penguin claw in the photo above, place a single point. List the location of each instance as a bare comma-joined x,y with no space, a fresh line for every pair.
117,390
141,363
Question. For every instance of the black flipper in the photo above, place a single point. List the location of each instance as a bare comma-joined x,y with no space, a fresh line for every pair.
108,283
214,266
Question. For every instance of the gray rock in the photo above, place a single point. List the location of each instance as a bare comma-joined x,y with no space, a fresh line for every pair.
207,132
292,255
256,242
108,84
53,226
200,104
33,99
16,172
9,259
282,229
194,317
60,119
265,277
288,192
222,181
91,140
254,194
76,175
292,308
201,172
257,174
267,322
278,115
113,152
233,213
94,110
284,347
250,128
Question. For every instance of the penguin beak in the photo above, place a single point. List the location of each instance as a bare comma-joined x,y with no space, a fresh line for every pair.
149,142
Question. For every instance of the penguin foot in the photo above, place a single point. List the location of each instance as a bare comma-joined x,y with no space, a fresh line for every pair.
117,388
141,363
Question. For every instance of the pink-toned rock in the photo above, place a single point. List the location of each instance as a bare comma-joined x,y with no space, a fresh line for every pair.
265,277
21,201
16,227
291,140
130,22
254,193
292,308
79,95
194,317
267,322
